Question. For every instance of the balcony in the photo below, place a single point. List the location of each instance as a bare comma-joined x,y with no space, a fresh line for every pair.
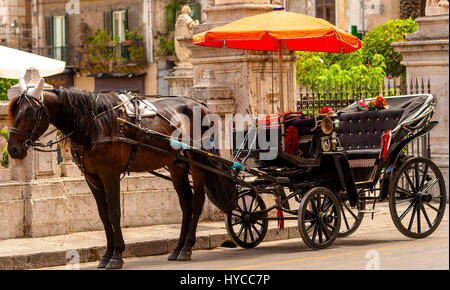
68,54
104,57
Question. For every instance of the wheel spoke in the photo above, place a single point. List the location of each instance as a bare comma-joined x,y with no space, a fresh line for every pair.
319,202
245,234
315,232
404,200
326,234
310,227
412,217
331,227
425,171
428,204
251,204
416,170
313,206
245,204
256,230
426,216
404,191
406,211
240,231
431,185
345,219
251,233
411,184
350,211
320,234
418,217
328,207
324,202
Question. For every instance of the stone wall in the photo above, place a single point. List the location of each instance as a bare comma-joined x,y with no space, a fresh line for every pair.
63,205
39,197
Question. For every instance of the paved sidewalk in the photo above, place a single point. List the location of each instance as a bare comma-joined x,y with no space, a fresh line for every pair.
30,253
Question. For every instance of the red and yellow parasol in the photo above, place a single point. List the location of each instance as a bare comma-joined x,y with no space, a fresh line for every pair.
276,29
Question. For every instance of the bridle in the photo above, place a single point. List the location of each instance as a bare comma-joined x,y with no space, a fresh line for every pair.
35,113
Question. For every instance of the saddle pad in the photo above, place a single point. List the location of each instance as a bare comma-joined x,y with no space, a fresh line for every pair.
146,109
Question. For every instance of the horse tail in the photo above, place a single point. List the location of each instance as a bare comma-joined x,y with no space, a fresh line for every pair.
221,190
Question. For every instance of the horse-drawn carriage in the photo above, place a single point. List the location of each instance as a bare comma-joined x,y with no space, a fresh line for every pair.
328,164
340,159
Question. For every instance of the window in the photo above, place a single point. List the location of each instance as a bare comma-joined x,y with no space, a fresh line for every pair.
326,9
59,36
119,24
56,37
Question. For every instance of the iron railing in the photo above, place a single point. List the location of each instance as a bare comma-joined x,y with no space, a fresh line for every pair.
338,96
68,54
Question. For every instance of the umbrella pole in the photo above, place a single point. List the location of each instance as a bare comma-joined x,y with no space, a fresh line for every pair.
280,93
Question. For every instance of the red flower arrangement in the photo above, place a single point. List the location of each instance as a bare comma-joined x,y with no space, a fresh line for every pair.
326,110
378,103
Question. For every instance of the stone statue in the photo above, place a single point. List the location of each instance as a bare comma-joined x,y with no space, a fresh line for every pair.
436,7
183,28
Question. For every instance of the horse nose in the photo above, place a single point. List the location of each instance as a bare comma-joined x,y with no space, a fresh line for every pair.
12,151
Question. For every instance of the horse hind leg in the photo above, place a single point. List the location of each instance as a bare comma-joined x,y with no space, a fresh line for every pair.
112,187
197,207
100,198
180,180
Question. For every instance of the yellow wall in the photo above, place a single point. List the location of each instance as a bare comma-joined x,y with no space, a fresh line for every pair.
341,9
84,83
151,79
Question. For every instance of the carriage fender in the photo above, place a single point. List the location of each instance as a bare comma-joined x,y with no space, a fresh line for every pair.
339,162
394,155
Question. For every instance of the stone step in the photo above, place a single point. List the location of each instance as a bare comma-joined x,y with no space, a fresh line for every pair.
5,174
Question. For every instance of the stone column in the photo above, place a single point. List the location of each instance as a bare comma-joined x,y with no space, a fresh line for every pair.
43,192
234,81
425,55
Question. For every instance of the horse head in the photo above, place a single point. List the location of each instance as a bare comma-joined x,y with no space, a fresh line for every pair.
29,119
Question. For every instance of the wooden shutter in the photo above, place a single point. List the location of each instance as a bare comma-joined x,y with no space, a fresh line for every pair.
66,29
126,20
49,41
107,21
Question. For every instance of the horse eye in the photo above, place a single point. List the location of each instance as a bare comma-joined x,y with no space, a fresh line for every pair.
30,113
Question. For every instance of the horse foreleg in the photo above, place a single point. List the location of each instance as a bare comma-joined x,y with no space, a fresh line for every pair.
97,190
112,187
183,188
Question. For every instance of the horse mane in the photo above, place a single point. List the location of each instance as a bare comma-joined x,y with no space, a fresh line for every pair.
11,108
76,112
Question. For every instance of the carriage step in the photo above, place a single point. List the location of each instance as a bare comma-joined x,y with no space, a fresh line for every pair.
368,211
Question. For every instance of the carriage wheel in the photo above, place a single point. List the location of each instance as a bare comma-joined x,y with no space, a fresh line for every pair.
351,217
319,218
417,198
247,225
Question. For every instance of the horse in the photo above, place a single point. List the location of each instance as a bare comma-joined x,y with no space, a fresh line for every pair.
72,112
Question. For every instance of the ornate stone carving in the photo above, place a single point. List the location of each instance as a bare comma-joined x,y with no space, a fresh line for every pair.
436,7
184,28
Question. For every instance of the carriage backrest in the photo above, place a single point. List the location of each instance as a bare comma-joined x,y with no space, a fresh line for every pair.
364,130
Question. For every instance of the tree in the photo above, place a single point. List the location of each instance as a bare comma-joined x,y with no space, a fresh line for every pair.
372,63
5,84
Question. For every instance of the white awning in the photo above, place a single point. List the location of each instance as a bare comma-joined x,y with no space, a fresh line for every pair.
14,63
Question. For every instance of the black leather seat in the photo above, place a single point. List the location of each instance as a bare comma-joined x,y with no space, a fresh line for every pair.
361,132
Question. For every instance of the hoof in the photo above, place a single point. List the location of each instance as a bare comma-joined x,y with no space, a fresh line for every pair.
103,262
173,256
114,264
184,256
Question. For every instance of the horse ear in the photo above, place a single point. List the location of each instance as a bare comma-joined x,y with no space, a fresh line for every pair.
22,85
36,92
